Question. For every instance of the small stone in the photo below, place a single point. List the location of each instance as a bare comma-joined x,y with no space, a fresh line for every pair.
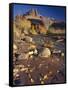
15,70
28,39
31,70
21,66
62,54
50,72
35,51
26,32
56,51
40,79
32,46
45,77
17,75
58,71
42,82
23,56
28,65
31,56
30,52
24,69
14,46
32,81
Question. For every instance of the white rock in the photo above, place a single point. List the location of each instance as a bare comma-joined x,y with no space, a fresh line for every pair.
62,54
14,46
35,51
15,70
31,56
57,51
46,53
30,53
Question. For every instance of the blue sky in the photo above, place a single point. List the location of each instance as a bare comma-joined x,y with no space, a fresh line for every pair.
49,11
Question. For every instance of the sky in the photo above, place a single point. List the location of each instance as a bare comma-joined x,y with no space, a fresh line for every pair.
56,12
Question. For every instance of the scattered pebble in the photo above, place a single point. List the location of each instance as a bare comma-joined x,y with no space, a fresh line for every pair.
15,70
24,69
42,82
32,81
50,72
62,54
58,71
14,46
45,77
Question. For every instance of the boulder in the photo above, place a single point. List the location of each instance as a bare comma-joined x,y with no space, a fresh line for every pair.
45,53
27,39
23,56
